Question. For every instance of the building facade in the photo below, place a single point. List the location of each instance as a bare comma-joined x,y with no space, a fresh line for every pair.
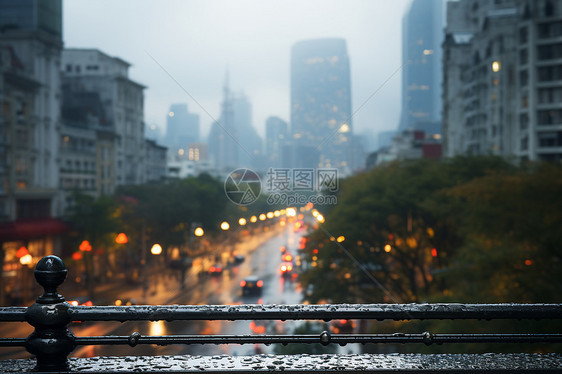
502,85
321,118
30,57
91,72
422,35
182,128
276,136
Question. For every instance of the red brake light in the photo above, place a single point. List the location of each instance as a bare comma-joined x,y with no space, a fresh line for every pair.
243,283
88,303
212,269
260,283
343,321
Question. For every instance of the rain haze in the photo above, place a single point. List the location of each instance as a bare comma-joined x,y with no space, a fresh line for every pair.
181,47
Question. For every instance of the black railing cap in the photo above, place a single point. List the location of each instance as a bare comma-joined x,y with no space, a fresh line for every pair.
50,273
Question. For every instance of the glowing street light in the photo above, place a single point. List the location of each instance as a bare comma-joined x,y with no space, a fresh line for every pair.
387,248
225,226
291,212
270,215
253,219
199,232
277,213
262,217
156,249
121,239
85,246
320,218
242,221
340,239
26,260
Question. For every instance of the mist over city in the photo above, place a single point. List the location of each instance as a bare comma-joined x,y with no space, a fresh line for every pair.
240,178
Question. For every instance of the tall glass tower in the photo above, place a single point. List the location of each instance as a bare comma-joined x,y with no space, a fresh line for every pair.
422,35
321,127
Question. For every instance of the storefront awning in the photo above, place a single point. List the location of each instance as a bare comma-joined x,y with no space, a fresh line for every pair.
27,229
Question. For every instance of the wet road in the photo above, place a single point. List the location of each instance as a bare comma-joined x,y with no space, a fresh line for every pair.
222,289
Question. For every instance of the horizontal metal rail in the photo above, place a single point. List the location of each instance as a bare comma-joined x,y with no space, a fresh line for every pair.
324,312
51,342
324,338
12,314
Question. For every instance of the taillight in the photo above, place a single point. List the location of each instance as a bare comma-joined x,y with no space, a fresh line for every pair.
73,303
260,283
243,283
88,303
212,269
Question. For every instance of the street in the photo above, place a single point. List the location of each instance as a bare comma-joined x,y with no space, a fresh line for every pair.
220,289
262,259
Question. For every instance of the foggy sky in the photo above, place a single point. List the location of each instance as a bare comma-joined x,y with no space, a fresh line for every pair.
197,41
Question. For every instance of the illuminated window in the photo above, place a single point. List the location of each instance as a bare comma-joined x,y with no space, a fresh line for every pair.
496,66
428,52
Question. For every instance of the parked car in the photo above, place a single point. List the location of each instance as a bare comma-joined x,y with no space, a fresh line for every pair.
251,285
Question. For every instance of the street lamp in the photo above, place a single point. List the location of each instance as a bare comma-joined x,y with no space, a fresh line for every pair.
225,226
262,217
156,249
121,238
270,215
242,221
199,232
253,219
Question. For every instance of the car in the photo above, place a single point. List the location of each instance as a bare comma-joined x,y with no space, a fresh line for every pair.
343,326
215,269
286,268
239,259
251,285
287,257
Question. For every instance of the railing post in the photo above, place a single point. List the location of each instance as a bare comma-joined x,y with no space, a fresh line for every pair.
51,342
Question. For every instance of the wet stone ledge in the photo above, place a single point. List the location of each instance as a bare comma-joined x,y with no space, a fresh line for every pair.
378,363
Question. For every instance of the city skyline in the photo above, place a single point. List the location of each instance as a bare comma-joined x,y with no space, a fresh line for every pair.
252,40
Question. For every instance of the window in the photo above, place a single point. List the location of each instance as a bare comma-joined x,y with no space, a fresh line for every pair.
550,95
548,52
523,35
550,117
550,73
33,208
523,78
524,56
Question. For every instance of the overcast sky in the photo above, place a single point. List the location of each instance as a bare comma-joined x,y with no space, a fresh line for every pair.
197,41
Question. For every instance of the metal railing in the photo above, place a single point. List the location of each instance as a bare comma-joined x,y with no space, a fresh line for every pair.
52,341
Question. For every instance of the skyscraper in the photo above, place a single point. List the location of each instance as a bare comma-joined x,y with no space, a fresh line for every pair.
223,143
422,34
182,127
250,152
276,134
321,126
